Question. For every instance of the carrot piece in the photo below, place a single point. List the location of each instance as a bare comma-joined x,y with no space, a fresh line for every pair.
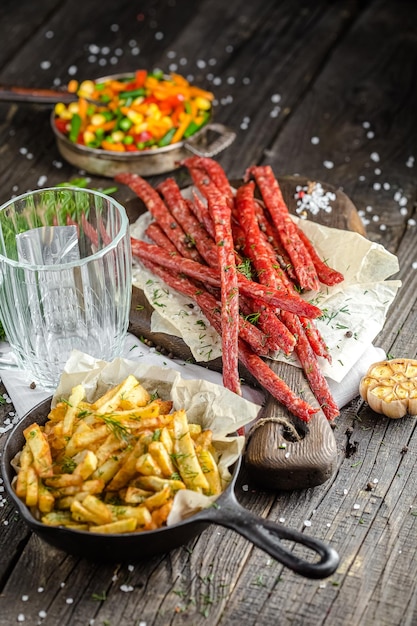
181,128
113,147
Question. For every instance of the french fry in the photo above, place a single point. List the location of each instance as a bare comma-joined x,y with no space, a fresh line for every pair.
140,513
85,437
155,483
110,401
64,480
46,500
158,499
166,439
118,462
137,396
158,451
32,487
57,518
38,444
108,469
86,462
78,394
128,468
210,470
135,495
147,465
185,456
160,516
121,526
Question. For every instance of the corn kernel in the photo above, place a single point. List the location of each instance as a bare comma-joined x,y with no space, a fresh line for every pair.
73,107
59,108
97,119
86,88
88,136
117,136
66,115
202,103
136,118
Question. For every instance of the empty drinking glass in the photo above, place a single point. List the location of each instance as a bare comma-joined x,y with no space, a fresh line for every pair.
65,278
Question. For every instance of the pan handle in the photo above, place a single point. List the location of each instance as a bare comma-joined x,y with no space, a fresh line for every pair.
196,144
266,535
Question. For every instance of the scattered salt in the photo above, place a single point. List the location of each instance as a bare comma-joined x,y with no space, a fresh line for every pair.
315,141
69,600
126,588
42,614
275,98
307,522
345,492
328,164
20,617
377,186
375,157
410,162
45,65
370,134
245,487
25,598
356,506
281,520
366,125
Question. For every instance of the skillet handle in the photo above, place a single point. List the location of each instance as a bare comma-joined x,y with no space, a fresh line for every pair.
225,136
266,535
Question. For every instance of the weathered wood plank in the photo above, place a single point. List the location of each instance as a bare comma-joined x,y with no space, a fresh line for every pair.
359,109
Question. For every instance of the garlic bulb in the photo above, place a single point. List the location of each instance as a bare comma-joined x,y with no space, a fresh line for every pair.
390,387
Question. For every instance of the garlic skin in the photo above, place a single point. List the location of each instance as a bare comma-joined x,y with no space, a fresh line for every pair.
390,387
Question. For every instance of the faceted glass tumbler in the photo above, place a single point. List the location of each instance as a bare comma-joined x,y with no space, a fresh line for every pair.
65,278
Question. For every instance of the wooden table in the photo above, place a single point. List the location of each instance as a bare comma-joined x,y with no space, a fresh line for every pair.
324,89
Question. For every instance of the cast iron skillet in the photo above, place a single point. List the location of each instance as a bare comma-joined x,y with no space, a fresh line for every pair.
130,547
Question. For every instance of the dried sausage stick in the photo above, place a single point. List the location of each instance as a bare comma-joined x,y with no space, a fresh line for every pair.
215,172
255,338
326,274
266,295
200,210
287,230
180,210
308,360
279,337
221,214
157,208
157,235
274,384
315,339
253,363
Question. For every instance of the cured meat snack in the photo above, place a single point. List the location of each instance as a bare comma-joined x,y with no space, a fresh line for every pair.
261,310
157,208
287,230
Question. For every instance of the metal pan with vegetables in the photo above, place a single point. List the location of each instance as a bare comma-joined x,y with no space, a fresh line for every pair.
130,474
143,122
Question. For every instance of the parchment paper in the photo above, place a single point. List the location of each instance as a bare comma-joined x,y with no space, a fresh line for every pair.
354,311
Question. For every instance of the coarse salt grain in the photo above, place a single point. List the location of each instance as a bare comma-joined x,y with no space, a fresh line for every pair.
245,487
370,134
42,180
356,506
375,157
21,617
345,492
414,265
281,520
410,162
275,98
126,588
42,614
69,600
307,522
328,164
25,598
130,568
45,65
366,125
411,222
377,186
375,481
315,141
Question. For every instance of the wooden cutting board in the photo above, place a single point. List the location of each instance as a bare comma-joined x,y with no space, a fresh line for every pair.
282,452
